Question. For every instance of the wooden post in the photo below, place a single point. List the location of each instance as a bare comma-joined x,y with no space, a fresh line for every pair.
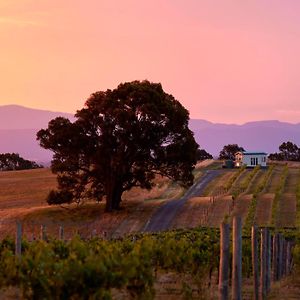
94,233
43,232
280,256
61,233
255,262
18,249
237,259
263,263
268,262
224,261
289,258
284,255
275,257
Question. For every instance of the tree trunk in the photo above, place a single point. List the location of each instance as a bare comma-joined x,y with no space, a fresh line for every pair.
114,192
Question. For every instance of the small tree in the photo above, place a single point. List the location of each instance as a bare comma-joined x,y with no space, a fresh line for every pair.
229,151
202,154
122,138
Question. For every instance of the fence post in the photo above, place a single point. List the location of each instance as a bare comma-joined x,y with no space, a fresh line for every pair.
288,257
263,263
284,255
275,257
43,232
280,255
268,262
224,261
237,259
18,249
61,233
255,262
94,233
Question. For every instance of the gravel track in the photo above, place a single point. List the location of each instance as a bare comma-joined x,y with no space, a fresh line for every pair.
162,219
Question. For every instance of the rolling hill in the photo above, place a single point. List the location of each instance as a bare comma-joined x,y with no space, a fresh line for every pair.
18,127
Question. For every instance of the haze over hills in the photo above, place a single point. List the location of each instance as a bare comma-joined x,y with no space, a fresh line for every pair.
253,136
18,127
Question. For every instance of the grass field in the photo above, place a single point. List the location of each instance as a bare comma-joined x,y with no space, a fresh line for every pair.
23,196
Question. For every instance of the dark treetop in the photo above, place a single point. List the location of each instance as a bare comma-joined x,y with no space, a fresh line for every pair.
228,151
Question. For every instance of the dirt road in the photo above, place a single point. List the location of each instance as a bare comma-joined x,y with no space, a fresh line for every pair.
163,217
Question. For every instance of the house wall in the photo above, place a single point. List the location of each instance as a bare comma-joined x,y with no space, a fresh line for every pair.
253,160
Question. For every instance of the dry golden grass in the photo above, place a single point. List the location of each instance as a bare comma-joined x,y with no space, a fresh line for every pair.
263,212
241,206
256,180
204,163
288,288
275,179
192,213
237,183
220,210
25,188
218,183
287,209
23,195
292,181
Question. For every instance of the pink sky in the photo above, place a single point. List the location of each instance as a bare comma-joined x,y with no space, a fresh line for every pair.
225,61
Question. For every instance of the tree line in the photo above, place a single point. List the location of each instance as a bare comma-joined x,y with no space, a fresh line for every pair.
13,161
287,151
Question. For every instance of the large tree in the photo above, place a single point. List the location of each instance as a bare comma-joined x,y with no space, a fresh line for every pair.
122,138
229,151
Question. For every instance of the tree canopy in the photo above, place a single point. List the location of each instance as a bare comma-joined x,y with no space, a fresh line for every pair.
287,151
229,151
203,154
122,138
13,161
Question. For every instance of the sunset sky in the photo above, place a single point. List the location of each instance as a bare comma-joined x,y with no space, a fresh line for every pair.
225,61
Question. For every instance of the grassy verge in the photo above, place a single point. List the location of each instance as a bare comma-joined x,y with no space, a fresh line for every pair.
240,188
278,193
245,183
260,187
233,178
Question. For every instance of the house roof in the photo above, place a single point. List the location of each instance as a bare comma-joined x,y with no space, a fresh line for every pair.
254,153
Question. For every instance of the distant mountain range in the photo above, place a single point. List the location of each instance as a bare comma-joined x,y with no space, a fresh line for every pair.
18,127
253,136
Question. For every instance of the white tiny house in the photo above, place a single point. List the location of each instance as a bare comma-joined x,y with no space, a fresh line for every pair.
250,159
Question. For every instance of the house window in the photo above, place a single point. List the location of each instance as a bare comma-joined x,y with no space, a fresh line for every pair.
256,161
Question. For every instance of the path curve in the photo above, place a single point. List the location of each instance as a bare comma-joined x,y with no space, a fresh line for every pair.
162,219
